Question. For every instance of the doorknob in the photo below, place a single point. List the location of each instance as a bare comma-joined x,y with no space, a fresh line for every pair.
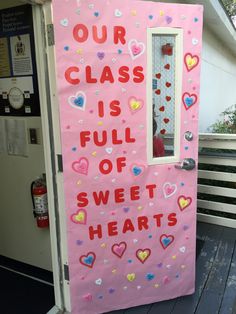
187,164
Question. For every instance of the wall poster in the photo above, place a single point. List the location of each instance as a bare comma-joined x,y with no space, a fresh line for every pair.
18,75
131,225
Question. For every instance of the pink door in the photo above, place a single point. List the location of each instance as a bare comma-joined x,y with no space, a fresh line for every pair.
128,84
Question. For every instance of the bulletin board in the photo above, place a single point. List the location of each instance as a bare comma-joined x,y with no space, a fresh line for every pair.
19,94
131,226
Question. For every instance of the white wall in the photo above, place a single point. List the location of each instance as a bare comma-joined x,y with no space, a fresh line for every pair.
20,239
218,80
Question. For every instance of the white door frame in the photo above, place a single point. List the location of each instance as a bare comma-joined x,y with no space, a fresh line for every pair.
42,16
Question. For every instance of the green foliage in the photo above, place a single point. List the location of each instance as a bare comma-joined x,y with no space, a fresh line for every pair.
230,6
227,124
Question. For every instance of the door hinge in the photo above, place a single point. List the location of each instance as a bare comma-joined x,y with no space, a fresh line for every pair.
66,272
60,163
50,35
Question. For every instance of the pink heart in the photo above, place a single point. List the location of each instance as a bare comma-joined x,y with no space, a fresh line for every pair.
136,49
169,189
119,249
81,166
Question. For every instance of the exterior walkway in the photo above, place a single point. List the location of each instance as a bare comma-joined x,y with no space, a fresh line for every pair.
216,277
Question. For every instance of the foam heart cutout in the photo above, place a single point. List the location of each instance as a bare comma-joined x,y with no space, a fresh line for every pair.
169,189
191,61
184,202
88,260
81,166
136,49
78,101
143,255
135,104
166,240
137,170
119,249
80,217
131,277
189,100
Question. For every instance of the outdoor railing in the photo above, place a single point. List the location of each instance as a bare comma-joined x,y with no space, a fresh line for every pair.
217,179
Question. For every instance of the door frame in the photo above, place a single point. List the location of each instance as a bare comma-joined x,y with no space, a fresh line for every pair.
45,61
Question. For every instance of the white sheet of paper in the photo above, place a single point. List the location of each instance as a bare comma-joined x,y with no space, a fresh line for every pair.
2,137
16,137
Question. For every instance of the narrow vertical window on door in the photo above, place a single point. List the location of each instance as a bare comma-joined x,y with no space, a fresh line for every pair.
164,87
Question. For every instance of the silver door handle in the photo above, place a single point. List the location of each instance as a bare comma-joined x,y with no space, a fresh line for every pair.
187,164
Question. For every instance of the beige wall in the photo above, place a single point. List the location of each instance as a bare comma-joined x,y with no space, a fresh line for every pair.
20,238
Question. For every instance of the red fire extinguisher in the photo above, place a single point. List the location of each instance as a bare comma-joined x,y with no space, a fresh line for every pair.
40,202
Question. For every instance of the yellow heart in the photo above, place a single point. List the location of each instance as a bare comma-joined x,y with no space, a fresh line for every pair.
131,277
103,245
94,154
162,13
135,105
191,62
183,203
80,217
134,12
143,255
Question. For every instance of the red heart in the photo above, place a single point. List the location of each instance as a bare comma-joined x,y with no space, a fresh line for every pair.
167,66
162,109
158,91
166,120
163,131
158,75
168,84
168,98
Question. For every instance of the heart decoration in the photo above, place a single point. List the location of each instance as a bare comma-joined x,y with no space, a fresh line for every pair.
81,166
167,66
80,217
135,104
166,240
118,13
137,170
88,260
150,276
88,297
143,255
119,249
184,202
64,22
131,277
109,150
163,131
158,75
168,84
168,19
189,100
169,189
191,61
100,55
136,49
166,120
158,92
98,282
168,98
78,101
162,109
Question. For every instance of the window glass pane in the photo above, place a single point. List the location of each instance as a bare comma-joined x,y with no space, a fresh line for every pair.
163,94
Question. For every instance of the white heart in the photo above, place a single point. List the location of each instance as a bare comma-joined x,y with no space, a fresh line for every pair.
71,100
81,121
102,213
105,261
96,178
168,266
137,44
134,152
125,288
113,60
97,92
113,180
167,186
156,174
98,282
194,41
182,249
109,150
64,22
135,240
151,204
137,24
139,287
91,6
81,61
118,13
183,17
123,90
78,11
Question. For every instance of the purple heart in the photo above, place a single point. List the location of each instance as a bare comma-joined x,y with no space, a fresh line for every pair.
111,290
185,227
79,242
168,19
126,209
101,55
159,265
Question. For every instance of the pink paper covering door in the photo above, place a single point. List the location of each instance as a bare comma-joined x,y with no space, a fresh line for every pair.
131,213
